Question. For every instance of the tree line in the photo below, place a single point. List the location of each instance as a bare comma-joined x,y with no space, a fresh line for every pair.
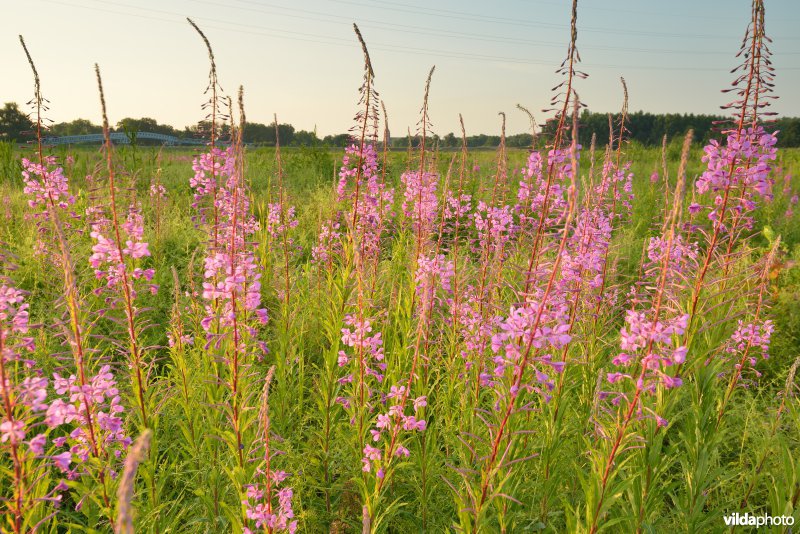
645,128
649,129
16,126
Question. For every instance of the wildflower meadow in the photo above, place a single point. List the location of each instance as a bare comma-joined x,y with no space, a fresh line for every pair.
572,337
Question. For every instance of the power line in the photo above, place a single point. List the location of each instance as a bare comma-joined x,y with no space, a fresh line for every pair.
307,37
337,41
583,7
387,5
436,32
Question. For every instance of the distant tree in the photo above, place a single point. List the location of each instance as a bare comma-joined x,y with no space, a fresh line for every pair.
13,123
304,138
286,133
789,131
645,128
75,127
523,140
255,132
264,134
339,140
145,124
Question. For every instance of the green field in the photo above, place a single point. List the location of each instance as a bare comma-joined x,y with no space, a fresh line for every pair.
684,477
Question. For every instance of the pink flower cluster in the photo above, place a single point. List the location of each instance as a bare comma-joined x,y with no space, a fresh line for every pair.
14,316
259,506
495,226
23,409
388,427
209,169
275,225
653,344
46,183
476,327
106,259
530,184
232,286
235,222
457,207
651,338
433,272
231,283
349,170
96,408
531,326
584,256
372,200
25,396
748,340
328,243
534,191
683,256
367,346
185,339
749,153
419,200
158,190
624,177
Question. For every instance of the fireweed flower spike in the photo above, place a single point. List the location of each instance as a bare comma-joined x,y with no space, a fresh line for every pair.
360,168
232,291
361,181
45,183
268,503
78,411
115,259
651,338
523,364
23,404
208,166
750,339
421,205
738,172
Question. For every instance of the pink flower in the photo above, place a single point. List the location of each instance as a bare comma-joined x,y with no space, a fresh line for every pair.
59,413
158,191
420,201
12,431
136,250
62,460
372,453
37,443
615,377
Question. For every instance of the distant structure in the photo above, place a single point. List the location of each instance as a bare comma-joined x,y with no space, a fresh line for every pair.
121,139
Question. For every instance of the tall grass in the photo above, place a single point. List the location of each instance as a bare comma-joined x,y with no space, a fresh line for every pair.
565,338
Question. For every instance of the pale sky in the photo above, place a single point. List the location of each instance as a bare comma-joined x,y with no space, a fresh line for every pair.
301,60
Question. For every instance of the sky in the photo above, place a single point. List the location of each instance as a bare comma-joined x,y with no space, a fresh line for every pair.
301,59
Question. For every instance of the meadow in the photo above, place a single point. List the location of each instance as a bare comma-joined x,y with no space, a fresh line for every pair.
562,339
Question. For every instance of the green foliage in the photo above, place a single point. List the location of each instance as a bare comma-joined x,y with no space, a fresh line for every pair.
14,123
684,477
650,128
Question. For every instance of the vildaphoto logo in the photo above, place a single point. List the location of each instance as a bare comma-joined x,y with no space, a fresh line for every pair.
747,519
